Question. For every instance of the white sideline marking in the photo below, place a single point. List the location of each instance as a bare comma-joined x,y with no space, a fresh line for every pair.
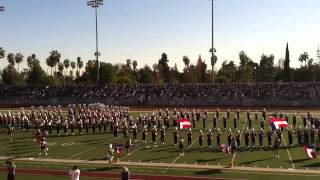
82,152
285,143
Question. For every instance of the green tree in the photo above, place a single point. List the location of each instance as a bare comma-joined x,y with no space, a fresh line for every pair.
303,58
107,73
186,61
2,53
54,59
266,70
145,75
36,75
11,76
164,69
128,63
134,65
201,70
73,66
19,59
31,60
50,63
246,68
287,72
66,64
11,59
228,72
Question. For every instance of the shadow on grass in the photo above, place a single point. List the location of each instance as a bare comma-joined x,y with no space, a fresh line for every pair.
312,165
105,169
297,160
209,160
98,159
208,172
254,161
154,159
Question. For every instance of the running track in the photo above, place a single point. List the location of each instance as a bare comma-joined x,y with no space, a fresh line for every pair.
42,172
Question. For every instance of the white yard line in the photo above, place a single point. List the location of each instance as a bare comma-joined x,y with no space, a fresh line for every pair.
80,153
285,143
234,155
130,153
176,159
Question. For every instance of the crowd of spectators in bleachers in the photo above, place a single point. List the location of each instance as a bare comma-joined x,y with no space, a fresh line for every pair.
230,91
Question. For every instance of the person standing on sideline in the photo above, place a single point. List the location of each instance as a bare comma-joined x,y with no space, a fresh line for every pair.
11,168
125,175
74,173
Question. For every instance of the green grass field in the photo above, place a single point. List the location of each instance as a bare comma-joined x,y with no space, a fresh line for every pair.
94,147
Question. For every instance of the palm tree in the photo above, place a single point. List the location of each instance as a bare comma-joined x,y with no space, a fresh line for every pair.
31,60
73,66
60,68
2,53
11,59
19,59
55,58
50,62
79,66
134,64
186,61
78,61
128,63
66,64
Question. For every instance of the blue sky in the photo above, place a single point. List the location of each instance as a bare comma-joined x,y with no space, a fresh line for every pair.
143,29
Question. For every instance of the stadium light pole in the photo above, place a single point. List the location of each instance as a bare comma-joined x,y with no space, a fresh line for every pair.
212,50
1,8
95,4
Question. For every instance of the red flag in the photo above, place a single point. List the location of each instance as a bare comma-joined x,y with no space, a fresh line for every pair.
185,123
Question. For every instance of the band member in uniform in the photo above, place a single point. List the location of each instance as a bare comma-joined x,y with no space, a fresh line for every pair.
189,134
43,146
235,122
175,136
260,136
128,145
253,138
299,135
276,145
218,137
224,119
209,138
238,138
269,134
229,137
294,120
214,119
154,135
181,146
144,135
134,132
249,122
201,139
10,132
110,154
246,137
162,134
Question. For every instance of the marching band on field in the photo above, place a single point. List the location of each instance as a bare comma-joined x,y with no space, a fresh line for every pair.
100,118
